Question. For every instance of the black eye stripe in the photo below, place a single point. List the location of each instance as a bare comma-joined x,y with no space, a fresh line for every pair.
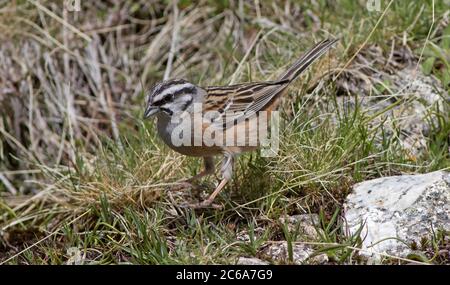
164,100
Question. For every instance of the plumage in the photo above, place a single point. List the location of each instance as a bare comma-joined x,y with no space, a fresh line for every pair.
225,110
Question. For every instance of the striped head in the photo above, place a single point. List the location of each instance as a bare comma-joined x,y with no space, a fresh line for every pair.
171,97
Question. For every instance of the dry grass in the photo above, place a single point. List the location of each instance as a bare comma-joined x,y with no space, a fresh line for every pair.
79,168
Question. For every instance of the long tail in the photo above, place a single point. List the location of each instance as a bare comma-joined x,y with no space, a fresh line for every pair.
307,59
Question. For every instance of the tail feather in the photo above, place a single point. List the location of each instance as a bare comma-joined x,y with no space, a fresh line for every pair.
307,59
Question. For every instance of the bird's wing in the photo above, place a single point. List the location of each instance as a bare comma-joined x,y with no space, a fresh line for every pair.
244,100
236,103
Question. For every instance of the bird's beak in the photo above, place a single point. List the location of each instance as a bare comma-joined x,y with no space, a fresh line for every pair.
150,111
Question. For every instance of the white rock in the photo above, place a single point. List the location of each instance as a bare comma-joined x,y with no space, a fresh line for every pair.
251,261
300,253
75,256
411,121
306,224
403,207
244,235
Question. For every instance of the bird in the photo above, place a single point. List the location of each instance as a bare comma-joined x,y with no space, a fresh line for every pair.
181,105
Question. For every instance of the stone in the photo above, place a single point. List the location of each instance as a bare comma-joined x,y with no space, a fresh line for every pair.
251,261
244,235
406,106
406,207
300,253
75,256
306,224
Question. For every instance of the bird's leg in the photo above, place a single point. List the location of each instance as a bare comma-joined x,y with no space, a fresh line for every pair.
187,183
209,169
227,172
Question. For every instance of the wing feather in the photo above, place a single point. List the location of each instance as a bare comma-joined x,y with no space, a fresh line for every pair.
239,102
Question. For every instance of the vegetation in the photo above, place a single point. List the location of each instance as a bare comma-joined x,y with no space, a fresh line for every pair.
84,179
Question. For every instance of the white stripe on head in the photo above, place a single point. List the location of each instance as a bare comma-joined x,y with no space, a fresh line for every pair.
171,90
180,104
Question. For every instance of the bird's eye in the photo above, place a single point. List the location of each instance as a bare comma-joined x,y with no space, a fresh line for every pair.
163,101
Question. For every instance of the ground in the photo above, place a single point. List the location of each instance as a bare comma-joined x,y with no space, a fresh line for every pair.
84,179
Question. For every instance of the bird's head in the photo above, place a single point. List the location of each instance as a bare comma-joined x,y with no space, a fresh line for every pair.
171,97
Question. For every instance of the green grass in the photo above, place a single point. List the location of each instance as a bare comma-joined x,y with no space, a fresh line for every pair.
93,190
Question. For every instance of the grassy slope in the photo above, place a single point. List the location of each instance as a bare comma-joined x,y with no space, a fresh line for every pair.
110,204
